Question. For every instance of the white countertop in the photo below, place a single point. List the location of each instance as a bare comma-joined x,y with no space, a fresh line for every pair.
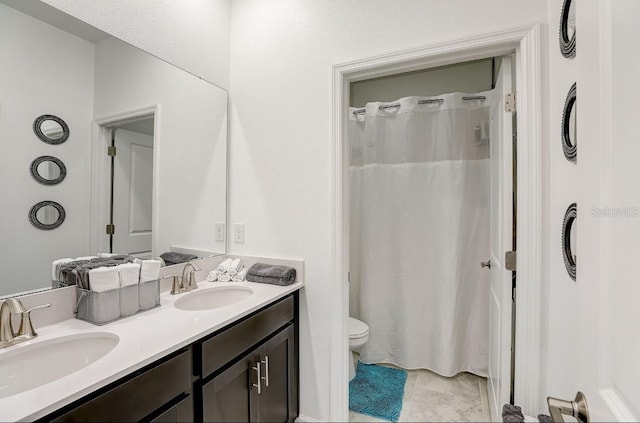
144,338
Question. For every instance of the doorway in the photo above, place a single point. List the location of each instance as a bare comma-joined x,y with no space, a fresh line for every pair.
430,201
131,152
524,44
125,176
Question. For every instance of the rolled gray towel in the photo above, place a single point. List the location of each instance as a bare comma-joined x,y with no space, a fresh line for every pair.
171,257
271,273
512,413
543,418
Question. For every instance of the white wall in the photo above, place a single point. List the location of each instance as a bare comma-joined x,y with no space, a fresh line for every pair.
281,84
471,77
44,71
193,34
190,141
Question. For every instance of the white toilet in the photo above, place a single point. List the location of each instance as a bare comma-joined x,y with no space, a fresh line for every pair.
358,336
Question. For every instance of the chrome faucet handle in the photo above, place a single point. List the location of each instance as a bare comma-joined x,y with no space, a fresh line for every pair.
175,283
26,327
9,307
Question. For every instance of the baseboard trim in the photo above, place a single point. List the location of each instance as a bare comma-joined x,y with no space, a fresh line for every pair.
302,419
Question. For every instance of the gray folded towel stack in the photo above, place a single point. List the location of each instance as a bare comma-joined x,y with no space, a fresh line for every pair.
512,413
270,273
171,257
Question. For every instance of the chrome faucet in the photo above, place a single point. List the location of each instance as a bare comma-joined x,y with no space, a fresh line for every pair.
187,281
8,336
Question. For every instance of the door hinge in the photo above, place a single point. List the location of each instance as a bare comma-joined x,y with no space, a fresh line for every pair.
510,260
111,150
509,103
111,229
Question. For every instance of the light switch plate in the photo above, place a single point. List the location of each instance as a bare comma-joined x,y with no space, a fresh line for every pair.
219,231
238,233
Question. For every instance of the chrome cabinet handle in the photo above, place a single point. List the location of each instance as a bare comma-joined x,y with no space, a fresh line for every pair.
266,370
484,264
257,385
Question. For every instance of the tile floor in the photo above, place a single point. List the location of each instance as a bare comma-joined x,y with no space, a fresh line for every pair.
429,397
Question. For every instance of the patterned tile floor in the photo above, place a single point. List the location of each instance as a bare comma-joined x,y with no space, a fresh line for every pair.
429,397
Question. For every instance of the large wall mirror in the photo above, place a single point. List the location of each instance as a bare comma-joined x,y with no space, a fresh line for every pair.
168,127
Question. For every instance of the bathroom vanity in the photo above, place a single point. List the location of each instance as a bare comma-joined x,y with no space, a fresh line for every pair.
244,367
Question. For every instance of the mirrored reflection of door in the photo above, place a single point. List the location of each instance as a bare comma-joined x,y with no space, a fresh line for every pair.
500,307
132,189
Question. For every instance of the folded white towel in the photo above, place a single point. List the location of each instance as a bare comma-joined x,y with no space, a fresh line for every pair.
103,279
212,276
106,255
129,274
234,267
149,270
54,267
224,277
222,267
239,277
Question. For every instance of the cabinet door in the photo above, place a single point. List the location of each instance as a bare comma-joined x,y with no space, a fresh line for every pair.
278,398
229,396
179,413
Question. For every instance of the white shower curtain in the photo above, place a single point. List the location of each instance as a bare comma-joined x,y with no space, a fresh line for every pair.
419,228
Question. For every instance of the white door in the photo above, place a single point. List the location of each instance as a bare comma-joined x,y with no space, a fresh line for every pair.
500,154
607,353
132,193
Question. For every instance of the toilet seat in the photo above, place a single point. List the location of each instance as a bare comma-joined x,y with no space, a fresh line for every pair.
357,329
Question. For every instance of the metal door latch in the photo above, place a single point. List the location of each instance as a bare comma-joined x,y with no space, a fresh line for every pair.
484,264
576,408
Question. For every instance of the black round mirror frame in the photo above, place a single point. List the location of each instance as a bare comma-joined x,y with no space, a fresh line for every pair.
33,218
567,226
567,45
44,181
37,128
569,146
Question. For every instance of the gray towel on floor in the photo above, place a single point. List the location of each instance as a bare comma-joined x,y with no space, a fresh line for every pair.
543,418
171,257
512,413
270,273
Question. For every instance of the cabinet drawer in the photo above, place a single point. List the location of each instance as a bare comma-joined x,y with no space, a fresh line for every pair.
135,399
225,346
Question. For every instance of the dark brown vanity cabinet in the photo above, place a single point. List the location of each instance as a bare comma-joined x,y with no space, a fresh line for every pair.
245,372
158,392
260,384
257,388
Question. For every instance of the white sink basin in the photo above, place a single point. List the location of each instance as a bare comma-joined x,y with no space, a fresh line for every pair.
29,366
211,298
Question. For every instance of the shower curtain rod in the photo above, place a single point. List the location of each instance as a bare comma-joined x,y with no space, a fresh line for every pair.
427,101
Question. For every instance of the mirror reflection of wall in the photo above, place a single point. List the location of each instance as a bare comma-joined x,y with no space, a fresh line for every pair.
90,77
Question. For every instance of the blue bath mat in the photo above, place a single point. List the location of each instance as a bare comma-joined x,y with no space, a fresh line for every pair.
377,391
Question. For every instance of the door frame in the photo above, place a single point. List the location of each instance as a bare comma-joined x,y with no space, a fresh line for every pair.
525,42
101,171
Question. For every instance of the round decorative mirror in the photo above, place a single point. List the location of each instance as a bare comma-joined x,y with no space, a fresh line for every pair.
569,122
569,237
568,29
51,129
47,215
48,170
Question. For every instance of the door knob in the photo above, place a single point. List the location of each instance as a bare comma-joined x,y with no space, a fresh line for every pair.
576,408
484,264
